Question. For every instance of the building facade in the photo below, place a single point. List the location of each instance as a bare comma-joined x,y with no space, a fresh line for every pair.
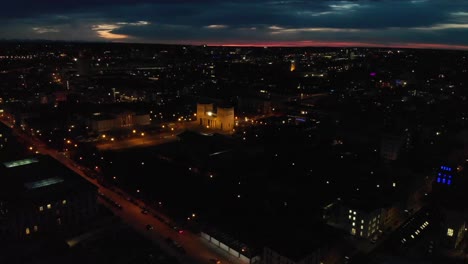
221,119
41,196
106,122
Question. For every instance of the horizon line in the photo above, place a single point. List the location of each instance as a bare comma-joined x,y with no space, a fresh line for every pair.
277,44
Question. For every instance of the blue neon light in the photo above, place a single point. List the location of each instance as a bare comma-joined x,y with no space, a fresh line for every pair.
438,179
445,168
449,182
443,180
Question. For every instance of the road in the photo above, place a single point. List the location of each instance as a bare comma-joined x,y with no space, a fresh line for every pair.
197,249
144,141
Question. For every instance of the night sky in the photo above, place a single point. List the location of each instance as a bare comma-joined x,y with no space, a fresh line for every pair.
402,23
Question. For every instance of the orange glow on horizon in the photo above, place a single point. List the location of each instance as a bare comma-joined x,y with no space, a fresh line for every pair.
332,44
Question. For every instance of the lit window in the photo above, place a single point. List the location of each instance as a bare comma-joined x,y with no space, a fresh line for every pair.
64,202
41,208
35,228
362,227
354,213
49,206
394,184
362,221
28,231
353,231
450,232
349,216
354,224
350,211
354,218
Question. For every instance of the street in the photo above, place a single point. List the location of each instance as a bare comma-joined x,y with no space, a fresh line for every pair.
196,249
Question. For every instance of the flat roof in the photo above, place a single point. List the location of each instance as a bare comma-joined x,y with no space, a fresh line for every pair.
43,183
25,180
17,163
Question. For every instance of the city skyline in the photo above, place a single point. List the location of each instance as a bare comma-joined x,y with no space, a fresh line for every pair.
404,24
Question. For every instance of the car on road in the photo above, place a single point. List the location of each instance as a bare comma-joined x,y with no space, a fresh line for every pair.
216,261
149,227
144,211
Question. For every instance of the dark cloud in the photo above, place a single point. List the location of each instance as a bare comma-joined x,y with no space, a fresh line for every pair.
373,21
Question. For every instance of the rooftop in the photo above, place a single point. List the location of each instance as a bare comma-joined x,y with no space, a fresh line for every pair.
38,176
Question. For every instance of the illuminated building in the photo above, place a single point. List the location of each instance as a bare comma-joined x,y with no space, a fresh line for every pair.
445,175
363,223
100,122
360,219
293,66
450,196
40,195
222,119
452,229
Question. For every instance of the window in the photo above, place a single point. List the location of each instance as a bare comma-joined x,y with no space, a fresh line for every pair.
350,211
354,218
450,232
353,231
28,231
49,206
354,224
349,216
362,227
64,202
41,208
35,228
354,212
362,221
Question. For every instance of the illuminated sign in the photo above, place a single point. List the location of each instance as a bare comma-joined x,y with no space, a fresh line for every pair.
445,168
